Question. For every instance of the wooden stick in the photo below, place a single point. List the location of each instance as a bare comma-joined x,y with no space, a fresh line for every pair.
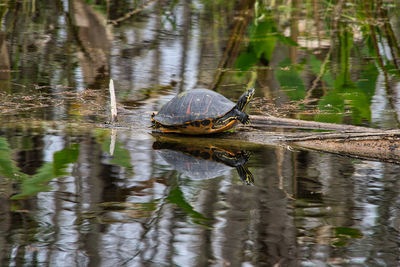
113,102
113,140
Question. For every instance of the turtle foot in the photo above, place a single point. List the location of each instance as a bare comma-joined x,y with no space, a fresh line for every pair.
244,118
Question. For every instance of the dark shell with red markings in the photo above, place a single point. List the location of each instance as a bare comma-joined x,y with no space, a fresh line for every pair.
197,105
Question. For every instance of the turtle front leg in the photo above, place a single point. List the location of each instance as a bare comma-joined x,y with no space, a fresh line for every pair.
242,117
234,115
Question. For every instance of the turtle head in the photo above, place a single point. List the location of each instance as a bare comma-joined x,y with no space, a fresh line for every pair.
245,99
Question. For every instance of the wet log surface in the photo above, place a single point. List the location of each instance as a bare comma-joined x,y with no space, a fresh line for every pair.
382,147
347,140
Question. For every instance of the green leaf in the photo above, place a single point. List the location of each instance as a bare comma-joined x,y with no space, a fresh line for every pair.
290,81
263,39
176,197
351,97
121,156
8,167
286,40
64,157
246,60
344,234
263,36
348,232
32,185
340,243
36,183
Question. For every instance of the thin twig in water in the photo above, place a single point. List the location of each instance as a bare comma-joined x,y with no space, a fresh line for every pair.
131,13
336,17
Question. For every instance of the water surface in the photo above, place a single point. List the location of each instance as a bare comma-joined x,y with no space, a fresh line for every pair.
77,192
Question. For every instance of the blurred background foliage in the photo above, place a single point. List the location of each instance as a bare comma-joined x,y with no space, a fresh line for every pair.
325,56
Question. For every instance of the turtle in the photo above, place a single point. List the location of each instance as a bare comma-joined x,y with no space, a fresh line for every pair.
201,111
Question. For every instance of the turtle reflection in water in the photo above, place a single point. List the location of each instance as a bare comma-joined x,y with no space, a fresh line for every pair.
204,162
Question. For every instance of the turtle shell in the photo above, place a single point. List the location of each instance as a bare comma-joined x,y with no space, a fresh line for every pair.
194,105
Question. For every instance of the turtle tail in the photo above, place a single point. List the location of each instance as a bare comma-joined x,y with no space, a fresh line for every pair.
245,99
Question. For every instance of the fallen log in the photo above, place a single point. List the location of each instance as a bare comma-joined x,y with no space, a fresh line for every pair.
349,140
382,147
270,121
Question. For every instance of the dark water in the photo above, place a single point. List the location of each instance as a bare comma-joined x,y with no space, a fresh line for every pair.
141,208
75,192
